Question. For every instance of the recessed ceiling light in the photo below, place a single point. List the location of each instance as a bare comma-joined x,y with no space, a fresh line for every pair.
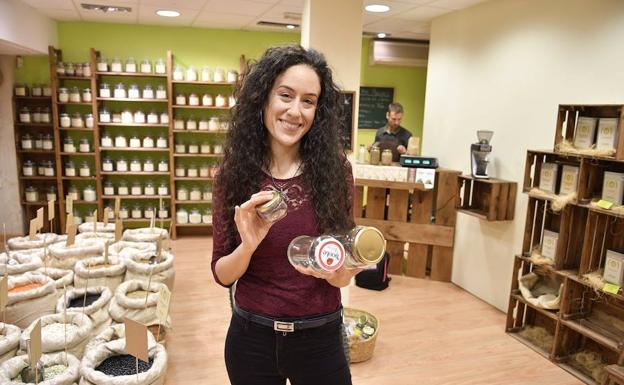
167,13
290,26
381,35
377,8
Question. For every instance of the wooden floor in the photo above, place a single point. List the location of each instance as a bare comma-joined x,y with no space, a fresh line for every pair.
430,333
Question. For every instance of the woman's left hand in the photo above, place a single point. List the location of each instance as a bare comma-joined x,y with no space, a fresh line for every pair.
339,278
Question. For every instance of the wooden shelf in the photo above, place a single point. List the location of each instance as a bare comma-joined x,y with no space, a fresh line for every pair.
100,99
35,152
40,203
193,178
136,197
69,77
132,125
33,98
530,345
37,177
545,312
200,132
145,220
130,173
83,202
132,74
200,107
198,155
390,184
126,149
194,225
78,153
487,199
78,178
593,335
203,83
35,125
76,129
190,202
74,103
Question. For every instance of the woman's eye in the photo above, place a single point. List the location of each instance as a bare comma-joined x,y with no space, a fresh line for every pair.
285,96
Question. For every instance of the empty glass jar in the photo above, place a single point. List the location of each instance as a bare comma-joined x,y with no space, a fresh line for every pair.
274,209
323,253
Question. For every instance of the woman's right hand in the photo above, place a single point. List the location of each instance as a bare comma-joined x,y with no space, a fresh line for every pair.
251,228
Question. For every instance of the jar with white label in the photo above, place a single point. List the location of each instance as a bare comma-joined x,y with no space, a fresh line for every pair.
135,142
70,70
51,194
120,91
191,123
163,213
152,118
139,117
161,142
178,73
36,115
217,149
195,217
120,141
106,141
38,142
102,65
107,165
85,170
203,124
163,189
31,194
105,90
231,101
146,66
182,216
192,171
123,212
220,101
63,95
180,100
195,194
45,115
122,165
205,148
131,65
148,92
206,74
163,166
213,124
193,100
36,90
180,148
191,74
161,92
135,165
68,145
193,148
219,75
182,194
48,168
160,67
149,212
150,189
232,76
20,90
136,189
116,65
89,121
79,69
178,124
204,171
137,213
47,143
109,188
41,168
76,120
60,68
88,194
122,188
148,165
84,145
72,193
164,118
207,193
207,100
180,171
86,70
148,142
74,95
116,117
134,92
127,117
323,253
70,169
105,116
207,217
28,168
87,97
111,212
24,115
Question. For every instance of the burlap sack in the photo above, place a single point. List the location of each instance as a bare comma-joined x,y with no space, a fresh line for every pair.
154,376
110,276
97,311
145,234
13,367
24,243
122,306
125,249
20,262
9,341
63,279
65,257
113,333
26,306
540,289
99,236
76,338
100,227
138,268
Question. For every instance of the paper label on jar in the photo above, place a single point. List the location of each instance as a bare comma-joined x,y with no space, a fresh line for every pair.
329,254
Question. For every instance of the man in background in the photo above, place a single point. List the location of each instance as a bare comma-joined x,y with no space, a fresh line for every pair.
392,136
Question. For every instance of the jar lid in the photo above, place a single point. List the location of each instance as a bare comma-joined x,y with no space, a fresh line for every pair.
31,189
369,245
270,205
63,90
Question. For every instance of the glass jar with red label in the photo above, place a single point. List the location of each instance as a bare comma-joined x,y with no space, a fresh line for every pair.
323,253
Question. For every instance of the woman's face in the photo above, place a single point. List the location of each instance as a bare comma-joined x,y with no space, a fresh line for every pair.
290,109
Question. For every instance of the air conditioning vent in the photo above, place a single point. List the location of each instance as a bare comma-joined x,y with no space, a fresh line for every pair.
400,53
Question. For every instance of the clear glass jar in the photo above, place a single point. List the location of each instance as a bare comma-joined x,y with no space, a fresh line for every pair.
123,212
47,143
107,165
102,65
121,141
178,124
150,189
38,142
163,166
191,124
87,96
193,148
220,101
323,253
28,168
195,194
135,165
207,217
105,116
207,100
164,118
386,157
178,73
89,121
31,194
217,149
127,117
88,194
20,90
116,117
116,65
203,125
231,101
51,194
60,68
362,154
163,189
148,165
36,90
111,212
24,115
219,75
109,188
206,74
232,76
85,170
74,95
195,217
137,213
79,69
84,145
152,117
160,67
161,92
122,165
48,168
148,92
205,148
68,145
120,91
192,171
364,246
182,194
76,120
204,171
191,74
72,192
136,189
106,141
180,100
163,213
77,218
70,169
180,148
135,142
193,100
86,70
213,124
375,155
180,171
274,209
47,90
122,188
207,193
139,117
105,90
70,70
134,92
149,212
161,142
182,216
45,115
131,65
63,95
146,66
148,142
41,168
36,115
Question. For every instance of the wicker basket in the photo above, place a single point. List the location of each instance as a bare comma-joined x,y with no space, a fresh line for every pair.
361,350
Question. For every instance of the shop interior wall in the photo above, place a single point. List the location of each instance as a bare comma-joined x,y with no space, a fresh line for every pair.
24,28
505,66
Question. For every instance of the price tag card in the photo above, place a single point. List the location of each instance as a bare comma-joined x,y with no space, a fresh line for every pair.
35,344
33,229
39,218
162,307
605,204
136,339
117,206
71,235
611,288
70,221
51,211
69,205
118,229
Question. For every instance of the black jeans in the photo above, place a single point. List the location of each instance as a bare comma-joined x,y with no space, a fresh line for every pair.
259,355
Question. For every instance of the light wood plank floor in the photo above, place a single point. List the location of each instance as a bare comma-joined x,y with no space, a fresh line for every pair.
431,333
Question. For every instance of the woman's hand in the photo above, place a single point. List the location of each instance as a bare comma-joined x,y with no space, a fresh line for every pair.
251,228
339,278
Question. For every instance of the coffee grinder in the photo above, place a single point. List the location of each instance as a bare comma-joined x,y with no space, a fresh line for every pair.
479,153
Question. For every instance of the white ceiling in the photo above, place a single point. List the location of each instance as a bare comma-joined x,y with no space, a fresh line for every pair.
408,19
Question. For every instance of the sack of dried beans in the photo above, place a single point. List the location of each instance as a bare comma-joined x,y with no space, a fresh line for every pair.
103,237
140,266
31,295
58,369
100,227
25,243
110,364
58,331
96,272
145,234
65,257
9,341
94,304
113,333
63,278
126,249
20,262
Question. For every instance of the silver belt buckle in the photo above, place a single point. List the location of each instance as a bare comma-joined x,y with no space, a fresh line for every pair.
285,327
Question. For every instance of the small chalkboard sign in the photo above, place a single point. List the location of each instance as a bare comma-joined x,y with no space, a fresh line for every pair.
348,105
373,106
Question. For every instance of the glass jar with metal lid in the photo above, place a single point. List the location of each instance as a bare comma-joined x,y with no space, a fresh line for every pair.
122,188
149,212
163,189
207,100
70,168
160,67
137,213
116,65
135,165
191,123
102,64
88,194
135,142
74,95
149,188
76,120
180,171
123,212
38,142
182,216
120,91
180,99
70,70
28,168
161,92
323,253
219,75
89,121
47,90
274,209
203,124
122,165
134,92
148,165
36,115
79,69
163,166
87,97
111,212
85,170
31,194
107,165
68,145
105,90
192,171
131,65
48,168
191,74
60,68
36,90
121,141
45,115
180,148
193,148
213,124
20,89
195,194
24,115
139,116
375,155
163,212
182,194
193,99
86,69
127,117
105,116
116,117
152,117
148,92
207,193
84,145
195,217
178,73
207,217
72,192
164,118
51,194
178,124
146,66
41,168
63,95
148,142
136,189
217,149
204,171
47,143
365,246
109,188
386,157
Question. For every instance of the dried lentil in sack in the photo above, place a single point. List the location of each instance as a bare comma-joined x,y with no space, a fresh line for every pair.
54,332
124,304
63,279
100,227
65,257
97,273
145,234
113,333
155,375
139,268
11,369
31,295
25,243
20,262
126,249
96,309
9,341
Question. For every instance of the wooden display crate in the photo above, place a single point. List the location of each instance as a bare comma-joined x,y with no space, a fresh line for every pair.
603,232
569,223
488,199
534,162
522,315
591,177
568,115
615,375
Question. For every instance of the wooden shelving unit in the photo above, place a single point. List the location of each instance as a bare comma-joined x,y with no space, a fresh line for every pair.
585,232
488,199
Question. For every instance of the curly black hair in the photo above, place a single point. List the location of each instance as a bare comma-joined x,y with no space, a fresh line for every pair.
246,152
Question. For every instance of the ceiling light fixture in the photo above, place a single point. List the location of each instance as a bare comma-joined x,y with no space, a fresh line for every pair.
377,8
290,26
381,35
167,13
105,8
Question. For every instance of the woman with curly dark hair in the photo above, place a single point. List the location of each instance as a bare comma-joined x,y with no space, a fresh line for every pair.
285,136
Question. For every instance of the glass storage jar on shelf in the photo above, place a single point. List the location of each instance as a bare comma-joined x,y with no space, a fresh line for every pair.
20,90
102,64
85,146
123,189
48,168
195,194
180,171
36,90
192,171
136,189
149,190
163,212
86,70
77,218
105,116
123,212
116,65
161,142
135,142
193,148
323,253
206,74
116,117
133,92
193,99
63,95
149,212
195,217
148,92
36,115
191,123
79,69
45,115
207,100
47,143
164,118
72,192
111,212
214,169
131,65
106,141
24,115
163,189
148,165
217,149
203,124
47,90
232,76
51,194
163,166
88,194
207,193
274,209
146,66
60,68
89,121
70,168
127,117
109,188
137,213
120,91
207,217
41,168
70,70
105,90
38,142
85,170
205,148
148,142
31,194
87,97
121,141
139,117
180,148
191,74
178,73
213,124
107,165
28,168
375,155
204,171
178,124
219,75
152,117
161,92
122,165
231,101
135,165
182,194
160,67
220,101
76,120
180,99
68,145
182,216
74,95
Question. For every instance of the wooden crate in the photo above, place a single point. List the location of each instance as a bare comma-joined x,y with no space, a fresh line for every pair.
534,162
568,115
488,199
522,315
591,177
603,232
615,375
569,223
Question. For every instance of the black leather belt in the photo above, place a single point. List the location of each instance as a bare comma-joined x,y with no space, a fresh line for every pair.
288,326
